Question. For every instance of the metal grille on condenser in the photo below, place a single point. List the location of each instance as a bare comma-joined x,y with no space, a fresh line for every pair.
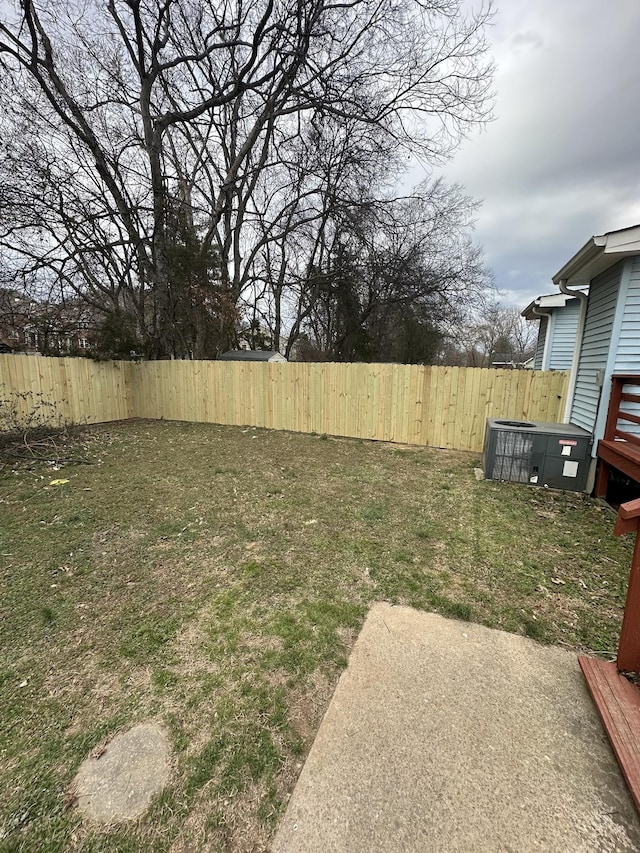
513,456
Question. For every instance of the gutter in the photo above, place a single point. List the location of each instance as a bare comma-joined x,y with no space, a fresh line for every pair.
537,312
591,249
573,376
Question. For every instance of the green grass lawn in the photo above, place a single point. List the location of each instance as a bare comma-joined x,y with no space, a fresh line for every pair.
214,579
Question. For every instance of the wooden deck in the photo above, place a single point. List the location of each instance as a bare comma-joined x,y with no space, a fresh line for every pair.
622,455
615,696
619,448
618,703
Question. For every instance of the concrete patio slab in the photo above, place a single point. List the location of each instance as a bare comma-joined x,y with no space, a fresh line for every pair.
448,736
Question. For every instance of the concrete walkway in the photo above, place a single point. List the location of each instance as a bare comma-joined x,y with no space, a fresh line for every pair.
447,736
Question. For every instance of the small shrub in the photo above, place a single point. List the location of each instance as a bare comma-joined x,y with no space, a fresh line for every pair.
26,411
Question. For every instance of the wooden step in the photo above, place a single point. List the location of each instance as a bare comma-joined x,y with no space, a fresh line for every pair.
618,703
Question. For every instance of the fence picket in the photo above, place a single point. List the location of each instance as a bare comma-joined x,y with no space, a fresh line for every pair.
439,406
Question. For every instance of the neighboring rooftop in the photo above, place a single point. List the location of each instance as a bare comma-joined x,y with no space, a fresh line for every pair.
252,355
545,303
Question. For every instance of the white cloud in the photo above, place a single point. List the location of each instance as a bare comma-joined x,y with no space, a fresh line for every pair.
561,160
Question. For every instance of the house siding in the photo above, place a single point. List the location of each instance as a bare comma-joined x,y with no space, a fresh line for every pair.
628,349
542,335
563,341
594,352
627,356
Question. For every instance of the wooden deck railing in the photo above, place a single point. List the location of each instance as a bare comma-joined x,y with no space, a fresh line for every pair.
619,448
628,660
614,686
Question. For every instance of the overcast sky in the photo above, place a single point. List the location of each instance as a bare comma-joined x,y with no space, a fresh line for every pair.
561,160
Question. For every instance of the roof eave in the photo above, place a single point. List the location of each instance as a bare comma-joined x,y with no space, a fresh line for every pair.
581,261
545,304
599,254
528,311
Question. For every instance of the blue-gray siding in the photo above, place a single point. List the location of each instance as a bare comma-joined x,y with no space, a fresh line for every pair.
594,351
563,340
542,335
627,357
628,351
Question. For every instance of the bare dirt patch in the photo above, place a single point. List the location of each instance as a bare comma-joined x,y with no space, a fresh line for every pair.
118,781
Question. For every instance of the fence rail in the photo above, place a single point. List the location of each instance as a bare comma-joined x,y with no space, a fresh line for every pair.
438,406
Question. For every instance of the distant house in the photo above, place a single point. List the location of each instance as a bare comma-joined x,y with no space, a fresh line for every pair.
507,361
46,328
16,313
559,316
268,355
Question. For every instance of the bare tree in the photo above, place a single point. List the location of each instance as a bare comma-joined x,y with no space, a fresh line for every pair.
111,112
393,278
494,334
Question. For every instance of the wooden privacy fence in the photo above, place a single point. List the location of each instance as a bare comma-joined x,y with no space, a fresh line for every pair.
76,390
438,406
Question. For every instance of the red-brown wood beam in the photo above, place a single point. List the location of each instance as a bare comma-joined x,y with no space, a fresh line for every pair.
619,455
628,416
602,479
617,386
629,437
631,509
628,659
618,703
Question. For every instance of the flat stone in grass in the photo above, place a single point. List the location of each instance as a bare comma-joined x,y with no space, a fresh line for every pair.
120,782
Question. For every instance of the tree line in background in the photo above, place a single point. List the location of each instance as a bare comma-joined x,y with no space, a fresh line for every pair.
197,173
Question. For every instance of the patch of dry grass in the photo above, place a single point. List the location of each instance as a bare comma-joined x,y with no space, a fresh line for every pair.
214,578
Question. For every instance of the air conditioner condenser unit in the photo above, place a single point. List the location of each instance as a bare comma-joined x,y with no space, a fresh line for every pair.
557,456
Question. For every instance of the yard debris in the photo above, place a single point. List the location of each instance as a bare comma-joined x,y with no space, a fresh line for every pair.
558,581
58,482
99,751
70,799
24,683
311,521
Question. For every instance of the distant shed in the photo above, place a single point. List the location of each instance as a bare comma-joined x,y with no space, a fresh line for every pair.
268,355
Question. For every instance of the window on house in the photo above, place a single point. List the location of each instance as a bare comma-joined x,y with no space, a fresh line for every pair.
33,339
83,343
